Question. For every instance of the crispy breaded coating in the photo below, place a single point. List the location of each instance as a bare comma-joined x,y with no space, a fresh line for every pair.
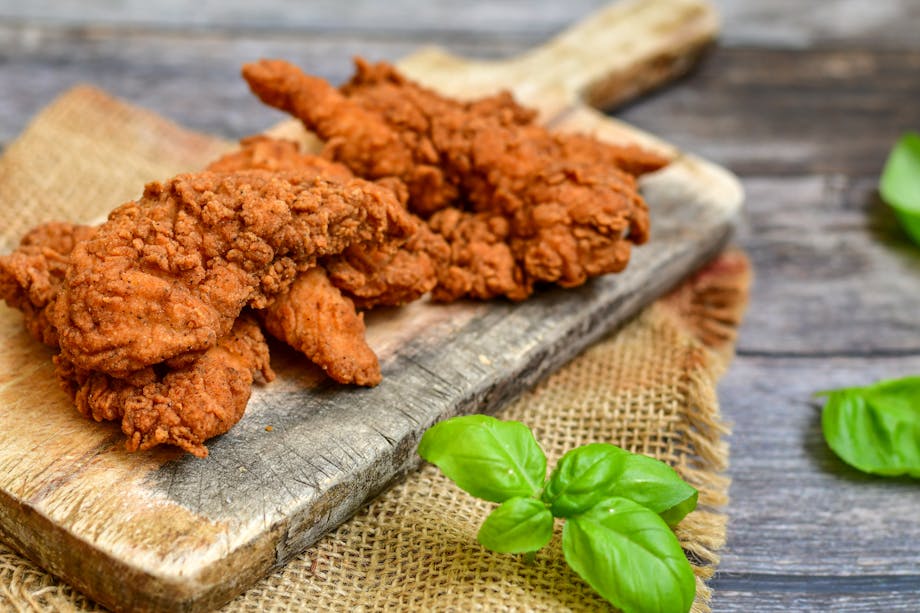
158,404
181,406
277,155
582,149
390,274
571,204
315,318
394,271
364,142
166,276
312,315
481,263
31,275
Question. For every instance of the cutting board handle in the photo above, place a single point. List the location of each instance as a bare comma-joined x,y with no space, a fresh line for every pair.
608,58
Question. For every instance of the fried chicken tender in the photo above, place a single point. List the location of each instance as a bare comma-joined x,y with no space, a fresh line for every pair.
392,272
31,275
166,276
156,405
570,204
316,319
181,406
312,316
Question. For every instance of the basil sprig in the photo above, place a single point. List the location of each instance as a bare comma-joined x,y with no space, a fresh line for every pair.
900,183
618,508
876,429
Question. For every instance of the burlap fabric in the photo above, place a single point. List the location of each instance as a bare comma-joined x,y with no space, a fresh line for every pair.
649,388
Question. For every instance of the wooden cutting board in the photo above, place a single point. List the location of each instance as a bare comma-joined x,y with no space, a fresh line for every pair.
166,531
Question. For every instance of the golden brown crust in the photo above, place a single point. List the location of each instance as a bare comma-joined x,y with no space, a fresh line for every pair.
398,269
31,276
390,273
182,406
582,149
482,264
277,155
316,319
371,148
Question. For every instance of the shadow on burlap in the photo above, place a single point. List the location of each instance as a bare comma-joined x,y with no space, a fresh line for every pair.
650,387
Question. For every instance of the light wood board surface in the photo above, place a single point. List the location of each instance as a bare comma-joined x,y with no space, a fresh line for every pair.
165,531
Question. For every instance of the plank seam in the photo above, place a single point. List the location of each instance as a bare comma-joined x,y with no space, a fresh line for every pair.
809,355
814,584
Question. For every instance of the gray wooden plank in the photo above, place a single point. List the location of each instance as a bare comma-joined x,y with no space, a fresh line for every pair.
778,24
441,16
192,80
788,112
796,509
835,274
811,594
841,23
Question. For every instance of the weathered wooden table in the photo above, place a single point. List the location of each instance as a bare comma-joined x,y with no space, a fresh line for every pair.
802,100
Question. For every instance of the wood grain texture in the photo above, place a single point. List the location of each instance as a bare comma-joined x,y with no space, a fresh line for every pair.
165,531
839,529
796,593
360,16
778,23
170,74
843,276
783,112
614,55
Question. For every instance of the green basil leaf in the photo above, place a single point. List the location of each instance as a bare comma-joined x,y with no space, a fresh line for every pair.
489,458
517,526
583,477
588,474
900,183
630,557
676,513
657,486
876,429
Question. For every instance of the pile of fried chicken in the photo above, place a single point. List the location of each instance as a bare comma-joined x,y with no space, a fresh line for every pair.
157,314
